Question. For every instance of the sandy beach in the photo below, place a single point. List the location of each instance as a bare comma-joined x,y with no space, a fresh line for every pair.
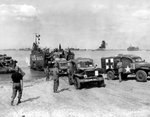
126,99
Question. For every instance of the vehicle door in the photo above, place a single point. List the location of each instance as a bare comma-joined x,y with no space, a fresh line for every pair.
126,63
3,69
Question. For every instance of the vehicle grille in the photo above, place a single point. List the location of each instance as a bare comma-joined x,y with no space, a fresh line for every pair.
63,71
90,73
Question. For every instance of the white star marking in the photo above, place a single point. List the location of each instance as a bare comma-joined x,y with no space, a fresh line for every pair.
128,69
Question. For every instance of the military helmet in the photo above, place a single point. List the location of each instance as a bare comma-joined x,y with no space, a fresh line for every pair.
17,69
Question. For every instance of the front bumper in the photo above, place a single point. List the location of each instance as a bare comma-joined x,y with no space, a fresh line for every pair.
92,79
149,73
61,74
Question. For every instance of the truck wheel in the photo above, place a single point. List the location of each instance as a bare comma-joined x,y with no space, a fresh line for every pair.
77,83
110,75
124,76
101,83
141,76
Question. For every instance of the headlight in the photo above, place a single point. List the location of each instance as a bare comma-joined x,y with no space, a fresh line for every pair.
96,73
85,76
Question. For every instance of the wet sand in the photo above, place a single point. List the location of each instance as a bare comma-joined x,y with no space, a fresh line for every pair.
126,99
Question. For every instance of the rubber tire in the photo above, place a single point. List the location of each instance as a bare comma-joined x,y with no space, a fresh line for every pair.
101,84
141,76
110,75
124,76
77,83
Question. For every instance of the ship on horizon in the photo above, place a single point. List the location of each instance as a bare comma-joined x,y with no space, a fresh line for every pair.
102,47
133,48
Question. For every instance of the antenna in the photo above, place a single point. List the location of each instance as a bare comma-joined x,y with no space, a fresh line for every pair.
37,38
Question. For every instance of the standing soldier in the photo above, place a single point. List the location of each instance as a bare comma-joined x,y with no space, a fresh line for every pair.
17,79
120,70
47,72
71,70
18,68
55,77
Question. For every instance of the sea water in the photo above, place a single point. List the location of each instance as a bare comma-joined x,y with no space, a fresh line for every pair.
23,58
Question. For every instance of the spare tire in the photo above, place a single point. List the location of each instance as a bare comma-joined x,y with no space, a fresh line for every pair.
110,75
141,76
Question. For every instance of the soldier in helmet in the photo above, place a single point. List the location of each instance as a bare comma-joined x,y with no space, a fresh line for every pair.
55,77
120,70
47,72
17,79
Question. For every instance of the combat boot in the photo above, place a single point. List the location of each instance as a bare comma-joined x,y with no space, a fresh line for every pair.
12,102
19,101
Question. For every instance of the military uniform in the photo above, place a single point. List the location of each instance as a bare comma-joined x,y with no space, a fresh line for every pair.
120,70
56,79
47,72
17,86
70,70
17,79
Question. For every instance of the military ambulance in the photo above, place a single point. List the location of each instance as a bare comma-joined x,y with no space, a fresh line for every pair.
132,64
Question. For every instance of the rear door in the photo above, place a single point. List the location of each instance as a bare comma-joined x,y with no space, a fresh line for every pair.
108,63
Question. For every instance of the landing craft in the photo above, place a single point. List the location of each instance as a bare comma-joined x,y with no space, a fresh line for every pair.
41,58
38,56
6,64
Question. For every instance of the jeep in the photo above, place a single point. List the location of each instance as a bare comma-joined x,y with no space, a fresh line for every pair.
62,66
82,70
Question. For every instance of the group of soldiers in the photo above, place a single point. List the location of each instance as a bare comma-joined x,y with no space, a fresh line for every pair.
17,79
51,74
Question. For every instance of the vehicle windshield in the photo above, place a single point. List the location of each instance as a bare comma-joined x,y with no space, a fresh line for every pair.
1,65
137,59
63,64
84,64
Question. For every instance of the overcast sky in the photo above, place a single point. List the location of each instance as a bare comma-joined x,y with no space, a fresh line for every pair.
75,23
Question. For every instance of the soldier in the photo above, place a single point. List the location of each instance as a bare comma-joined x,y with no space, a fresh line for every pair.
17,79
19,69
71,70
55,77
120,70
47,72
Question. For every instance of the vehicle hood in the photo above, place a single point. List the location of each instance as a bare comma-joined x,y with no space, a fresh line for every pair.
88,69
142,64
101,70
63,67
